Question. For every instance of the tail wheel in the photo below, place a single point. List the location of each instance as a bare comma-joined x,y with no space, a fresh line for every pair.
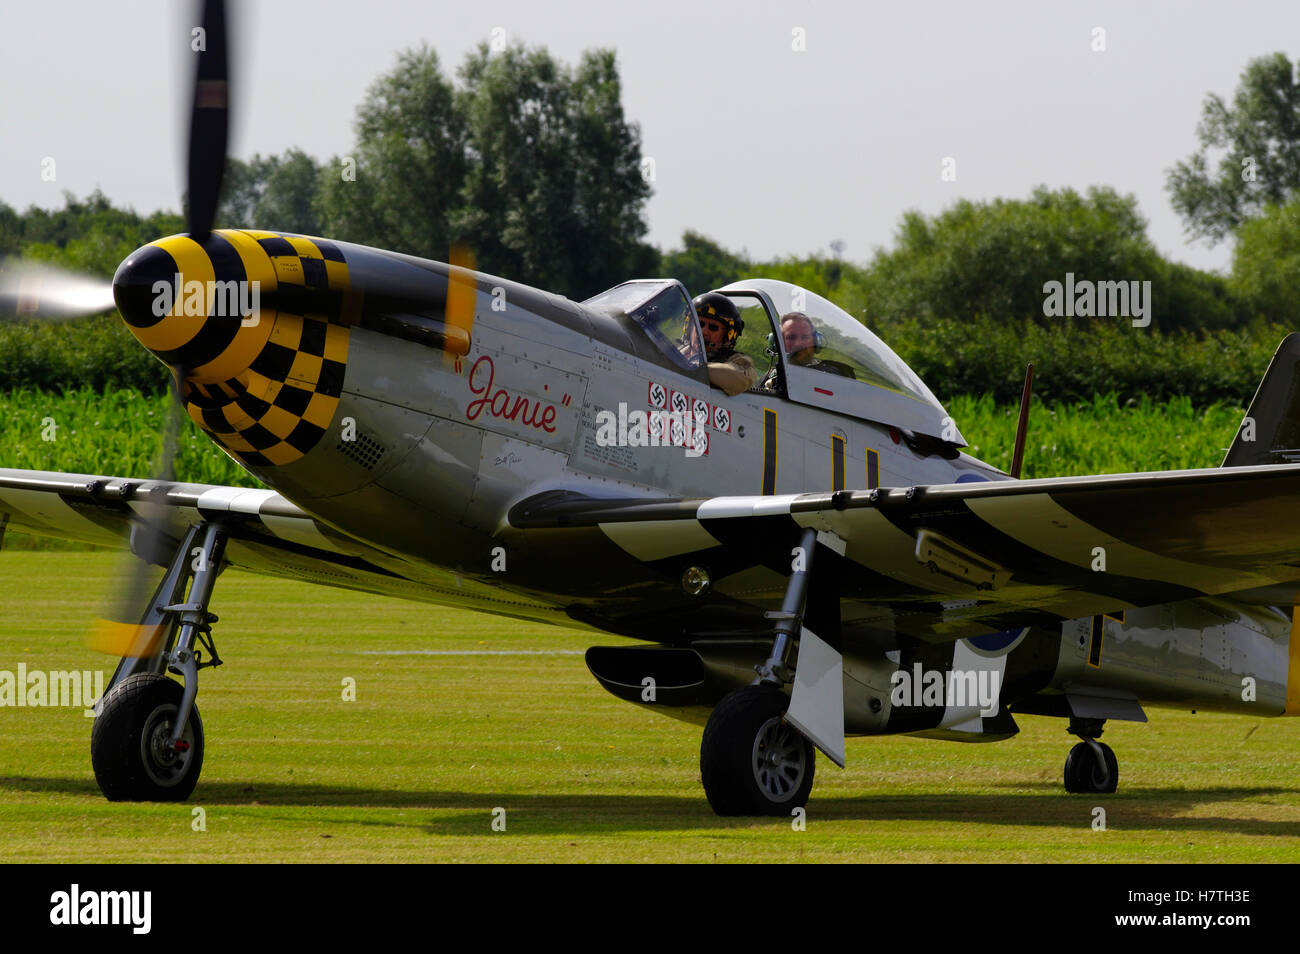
130,745
1090,772
751,761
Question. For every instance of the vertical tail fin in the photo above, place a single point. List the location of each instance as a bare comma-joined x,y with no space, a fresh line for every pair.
1270,431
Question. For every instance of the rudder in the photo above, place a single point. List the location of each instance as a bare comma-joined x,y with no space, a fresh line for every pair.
1270,431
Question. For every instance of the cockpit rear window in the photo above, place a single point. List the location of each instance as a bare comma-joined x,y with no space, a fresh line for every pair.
663,313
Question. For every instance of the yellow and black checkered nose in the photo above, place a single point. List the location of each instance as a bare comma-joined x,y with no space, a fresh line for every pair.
256,325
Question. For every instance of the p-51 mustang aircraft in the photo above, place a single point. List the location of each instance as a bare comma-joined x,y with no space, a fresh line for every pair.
812,558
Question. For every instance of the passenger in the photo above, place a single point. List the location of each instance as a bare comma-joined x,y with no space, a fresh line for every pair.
801,341
721,325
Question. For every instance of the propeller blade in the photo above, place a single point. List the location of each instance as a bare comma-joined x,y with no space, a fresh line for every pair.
127,629
209,122
165,466
132,627
33,290
462,293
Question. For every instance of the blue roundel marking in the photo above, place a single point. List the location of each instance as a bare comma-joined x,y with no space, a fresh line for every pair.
968,478
996,642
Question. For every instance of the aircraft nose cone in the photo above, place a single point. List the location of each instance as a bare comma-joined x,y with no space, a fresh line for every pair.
254,323
192,303
133,285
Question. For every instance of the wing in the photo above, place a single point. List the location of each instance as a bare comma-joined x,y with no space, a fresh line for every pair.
947,562
266,533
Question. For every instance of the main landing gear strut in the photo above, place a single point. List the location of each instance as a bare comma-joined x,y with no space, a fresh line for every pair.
147,741
752,761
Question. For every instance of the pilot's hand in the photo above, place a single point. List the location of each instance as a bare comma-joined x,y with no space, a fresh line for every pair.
728,377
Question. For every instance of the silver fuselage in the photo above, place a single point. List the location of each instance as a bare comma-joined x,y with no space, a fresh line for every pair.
448,445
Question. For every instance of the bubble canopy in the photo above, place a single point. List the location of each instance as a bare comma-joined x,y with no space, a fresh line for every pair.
848,369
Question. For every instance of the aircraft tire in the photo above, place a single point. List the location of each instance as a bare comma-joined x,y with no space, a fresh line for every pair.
127,747
743,738
1083,774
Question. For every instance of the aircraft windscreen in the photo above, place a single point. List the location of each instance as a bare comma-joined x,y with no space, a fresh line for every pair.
662,310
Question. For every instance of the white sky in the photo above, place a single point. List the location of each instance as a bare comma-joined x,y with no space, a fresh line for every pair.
761,147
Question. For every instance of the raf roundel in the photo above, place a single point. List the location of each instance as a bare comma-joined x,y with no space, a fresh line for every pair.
997,644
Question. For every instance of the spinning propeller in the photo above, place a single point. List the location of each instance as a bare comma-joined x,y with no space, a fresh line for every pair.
199,346
46,292
124,633
30,289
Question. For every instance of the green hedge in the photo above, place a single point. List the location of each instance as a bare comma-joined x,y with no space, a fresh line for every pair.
95,353
1074,360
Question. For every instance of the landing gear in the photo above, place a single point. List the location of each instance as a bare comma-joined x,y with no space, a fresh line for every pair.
147,741
1091,767
751,761
131,744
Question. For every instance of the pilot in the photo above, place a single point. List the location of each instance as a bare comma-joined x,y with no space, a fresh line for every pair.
801,341
721,325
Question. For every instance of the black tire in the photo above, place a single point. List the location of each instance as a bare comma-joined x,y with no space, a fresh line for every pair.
1085,774
131,764
744,738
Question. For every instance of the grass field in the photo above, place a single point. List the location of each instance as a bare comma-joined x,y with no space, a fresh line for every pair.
412,770
118,432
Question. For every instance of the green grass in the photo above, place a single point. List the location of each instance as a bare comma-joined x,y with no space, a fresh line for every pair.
118,432
412,770
1100,436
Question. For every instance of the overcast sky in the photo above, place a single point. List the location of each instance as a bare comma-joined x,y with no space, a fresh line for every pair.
761,146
